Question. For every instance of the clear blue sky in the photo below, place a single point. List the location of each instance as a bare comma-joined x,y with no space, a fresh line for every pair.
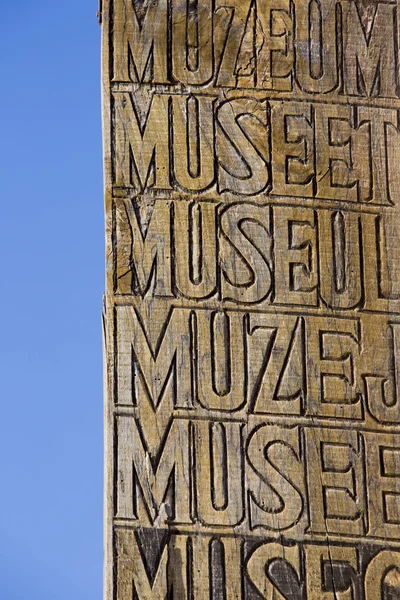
52,280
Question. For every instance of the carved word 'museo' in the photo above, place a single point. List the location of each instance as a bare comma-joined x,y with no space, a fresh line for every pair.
197,567
278,45
248,146
249,253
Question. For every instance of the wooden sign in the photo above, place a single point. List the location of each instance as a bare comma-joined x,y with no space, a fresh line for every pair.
252,317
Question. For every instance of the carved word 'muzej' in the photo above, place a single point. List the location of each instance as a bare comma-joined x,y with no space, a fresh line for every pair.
252,310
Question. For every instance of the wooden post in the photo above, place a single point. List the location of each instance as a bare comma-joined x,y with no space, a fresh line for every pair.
252,313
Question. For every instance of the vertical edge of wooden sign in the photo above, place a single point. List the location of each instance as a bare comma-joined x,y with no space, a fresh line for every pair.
108,413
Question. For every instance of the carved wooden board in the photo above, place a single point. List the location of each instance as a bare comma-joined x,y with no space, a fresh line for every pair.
252,320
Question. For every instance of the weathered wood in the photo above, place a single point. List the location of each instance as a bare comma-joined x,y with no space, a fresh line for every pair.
252,317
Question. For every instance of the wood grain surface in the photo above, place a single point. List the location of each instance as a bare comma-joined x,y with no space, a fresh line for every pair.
252,309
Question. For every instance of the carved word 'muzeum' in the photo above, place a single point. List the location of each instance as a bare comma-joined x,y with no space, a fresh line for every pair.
252,310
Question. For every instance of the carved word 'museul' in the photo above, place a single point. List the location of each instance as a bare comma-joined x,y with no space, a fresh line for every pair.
252,253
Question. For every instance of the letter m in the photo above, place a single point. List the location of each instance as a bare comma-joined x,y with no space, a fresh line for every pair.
370,57
140,41
149,369
161,483
133,577
141,149
143,257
